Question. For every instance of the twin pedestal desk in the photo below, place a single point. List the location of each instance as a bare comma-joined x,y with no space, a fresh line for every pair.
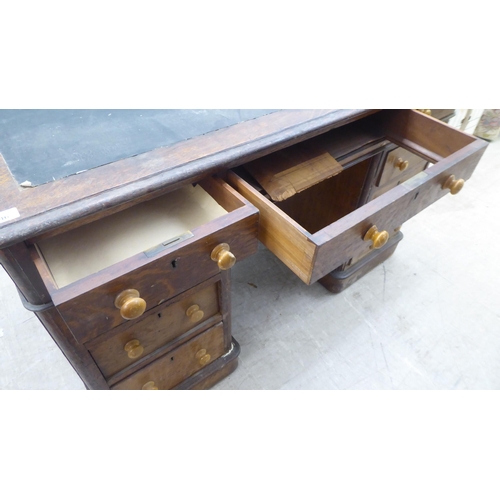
119,228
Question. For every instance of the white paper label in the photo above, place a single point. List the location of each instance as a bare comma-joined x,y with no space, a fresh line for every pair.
11,213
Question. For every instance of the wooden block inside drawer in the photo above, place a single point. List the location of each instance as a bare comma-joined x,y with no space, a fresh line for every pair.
292,170
179,364
130,343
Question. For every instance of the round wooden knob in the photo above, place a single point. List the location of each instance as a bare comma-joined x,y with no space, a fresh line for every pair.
222,255
149,386
454,185
379,238
134,349
401,164
194,313
130,304
203,357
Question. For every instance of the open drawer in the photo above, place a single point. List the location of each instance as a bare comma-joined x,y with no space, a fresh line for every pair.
324,226
109,271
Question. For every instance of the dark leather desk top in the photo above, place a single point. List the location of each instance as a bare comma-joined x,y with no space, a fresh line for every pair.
43,145
138,157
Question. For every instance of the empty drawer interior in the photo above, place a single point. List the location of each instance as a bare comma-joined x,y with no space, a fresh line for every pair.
316,229
163,221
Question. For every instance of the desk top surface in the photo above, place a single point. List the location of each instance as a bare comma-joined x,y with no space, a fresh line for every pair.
140,153
41,145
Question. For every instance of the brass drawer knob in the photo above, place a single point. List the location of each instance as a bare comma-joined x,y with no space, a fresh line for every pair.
379,238
223,256
202,357
427,112
194,313
130,304
134,349
454,185
401,164
149,386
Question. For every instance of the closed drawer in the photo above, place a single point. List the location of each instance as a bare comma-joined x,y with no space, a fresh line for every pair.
179,364
89,305
318,230
128,344
400,166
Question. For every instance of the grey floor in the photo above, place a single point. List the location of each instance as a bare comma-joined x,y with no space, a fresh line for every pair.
428,318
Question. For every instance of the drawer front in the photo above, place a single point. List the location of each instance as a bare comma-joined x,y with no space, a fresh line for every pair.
133,343
179,364
400,166
89,305
345,239
393,176
93,311
313,255
354,260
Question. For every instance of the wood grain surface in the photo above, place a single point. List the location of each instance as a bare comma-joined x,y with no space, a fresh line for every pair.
88,305
154,330
425,136
295,234
179,364
292,170
214,372
277,231
112,187
336,243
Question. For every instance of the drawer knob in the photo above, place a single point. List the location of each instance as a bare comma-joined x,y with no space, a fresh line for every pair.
379,238
401,164
223,256
130,304
194,313
149,386
427,112
134,349
203,357
454,185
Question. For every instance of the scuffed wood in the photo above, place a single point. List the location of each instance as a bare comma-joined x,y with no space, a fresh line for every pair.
291,171
179,364
99,192
88,305
278,232
338,242
425,136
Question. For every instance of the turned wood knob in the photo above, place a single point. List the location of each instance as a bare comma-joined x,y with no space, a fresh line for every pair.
454,185
149,386
194,313
379,238
222,255
134,349
130,304
203,357
401,164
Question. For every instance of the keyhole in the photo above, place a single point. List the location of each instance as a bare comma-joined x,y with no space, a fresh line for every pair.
174,263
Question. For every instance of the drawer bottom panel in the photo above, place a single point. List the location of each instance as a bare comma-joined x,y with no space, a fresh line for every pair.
179,364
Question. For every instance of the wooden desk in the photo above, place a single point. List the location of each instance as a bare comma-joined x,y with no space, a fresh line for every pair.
175,331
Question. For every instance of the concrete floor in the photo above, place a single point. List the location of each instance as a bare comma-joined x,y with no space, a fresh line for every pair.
428,318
